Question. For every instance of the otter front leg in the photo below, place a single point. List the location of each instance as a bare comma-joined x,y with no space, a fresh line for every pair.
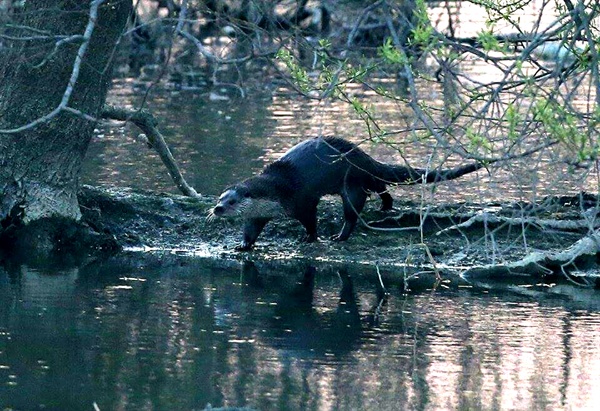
252,229
308,218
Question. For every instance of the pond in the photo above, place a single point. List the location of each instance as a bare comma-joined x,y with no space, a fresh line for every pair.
166,333
218,143
173,333
219,136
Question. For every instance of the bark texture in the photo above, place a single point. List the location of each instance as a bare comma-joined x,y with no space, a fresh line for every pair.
39,166
48,46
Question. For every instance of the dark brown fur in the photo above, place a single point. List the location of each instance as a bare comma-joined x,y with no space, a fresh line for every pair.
294,184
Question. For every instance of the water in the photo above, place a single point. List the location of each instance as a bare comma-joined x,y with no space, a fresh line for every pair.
218,143
177,334
180,334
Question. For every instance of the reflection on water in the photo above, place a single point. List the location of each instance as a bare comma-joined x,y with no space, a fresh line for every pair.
217,143
179,335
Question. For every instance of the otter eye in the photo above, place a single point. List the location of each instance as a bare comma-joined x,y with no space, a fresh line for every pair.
231,202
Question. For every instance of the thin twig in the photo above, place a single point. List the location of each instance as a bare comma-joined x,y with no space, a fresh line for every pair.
89,29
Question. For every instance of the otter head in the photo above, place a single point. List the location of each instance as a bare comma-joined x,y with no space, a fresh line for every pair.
241,201
232,202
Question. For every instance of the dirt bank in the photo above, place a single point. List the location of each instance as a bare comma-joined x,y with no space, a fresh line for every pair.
454,240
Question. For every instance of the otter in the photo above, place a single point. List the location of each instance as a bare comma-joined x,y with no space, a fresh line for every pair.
294,184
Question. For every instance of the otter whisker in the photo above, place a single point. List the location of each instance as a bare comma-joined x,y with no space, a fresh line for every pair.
210,217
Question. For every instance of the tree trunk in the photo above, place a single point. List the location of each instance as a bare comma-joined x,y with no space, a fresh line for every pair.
39,167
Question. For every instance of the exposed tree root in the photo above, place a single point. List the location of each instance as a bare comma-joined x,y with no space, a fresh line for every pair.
490,220
548,263
46,240
562,217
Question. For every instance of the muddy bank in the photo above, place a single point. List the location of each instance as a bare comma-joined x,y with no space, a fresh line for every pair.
452,241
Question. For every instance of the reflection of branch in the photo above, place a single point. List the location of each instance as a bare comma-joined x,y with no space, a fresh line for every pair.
204,51
217,83
147,123
210,56
74,74
360,19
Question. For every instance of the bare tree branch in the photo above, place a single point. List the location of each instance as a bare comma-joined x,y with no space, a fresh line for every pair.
147,123
93,15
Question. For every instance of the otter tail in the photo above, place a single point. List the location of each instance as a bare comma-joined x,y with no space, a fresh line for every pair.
407,175
396,174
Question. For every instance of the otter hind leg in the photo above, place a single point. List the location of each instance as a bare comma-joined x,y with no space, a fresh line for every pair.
353,200
387,201
252,229
379,187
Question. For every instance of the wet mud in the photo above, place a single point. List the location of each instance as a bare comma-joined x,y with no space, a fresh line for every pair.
408,240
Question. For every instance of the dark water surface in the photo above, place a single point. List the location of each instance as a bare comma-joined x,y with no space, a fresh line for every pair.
178,336
183,334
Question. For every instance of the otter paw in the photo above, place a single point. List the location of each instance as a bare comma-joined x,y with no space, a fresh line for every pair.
243,247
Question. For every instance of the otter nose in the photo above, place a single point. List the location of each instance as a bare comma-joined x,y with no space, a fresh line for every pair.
218,210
